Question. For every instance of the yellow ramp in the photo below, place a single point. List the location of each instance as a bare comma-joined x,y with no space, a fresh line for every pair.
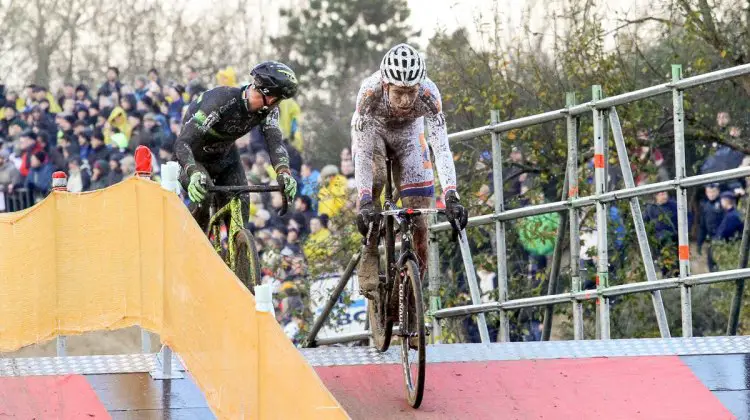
132,255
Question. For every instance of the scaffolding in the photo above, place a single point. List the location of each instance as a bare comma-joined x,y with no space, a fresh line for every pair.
603,110
605,118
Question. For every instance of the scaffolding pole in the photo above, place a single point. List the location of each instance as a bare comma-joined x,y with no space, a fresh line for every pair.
600,181
433,276
555,270
734,314
640,229
502,257
682,224
575,233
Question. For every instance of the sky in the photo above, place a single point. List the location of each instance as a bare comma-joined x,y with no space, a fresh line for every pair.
430,16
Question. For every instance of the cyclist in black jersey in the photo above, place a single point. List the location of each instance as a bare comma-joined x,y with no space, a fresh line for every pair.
205,148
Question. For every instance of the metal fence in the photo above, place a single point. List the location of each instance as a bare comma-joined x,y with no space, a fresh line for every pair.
19,199
603,111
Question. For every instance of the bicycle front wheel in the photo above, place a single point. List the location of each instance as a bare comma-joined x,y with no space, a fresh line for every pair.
411,323
247,265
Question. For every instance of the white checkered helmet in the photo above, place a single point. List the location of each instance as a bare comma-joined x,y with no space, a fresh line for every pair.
402,66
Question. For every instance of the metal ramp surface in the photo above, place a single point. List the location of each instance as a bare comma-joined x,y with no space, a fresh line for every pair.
685,378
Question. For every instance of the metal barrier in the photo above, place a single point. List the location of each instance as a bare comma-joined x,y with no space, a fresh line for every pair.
601,108
19,199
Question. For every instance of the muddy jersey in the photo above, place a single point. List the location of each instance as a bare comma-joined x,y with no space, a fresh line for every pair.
218,117
374,122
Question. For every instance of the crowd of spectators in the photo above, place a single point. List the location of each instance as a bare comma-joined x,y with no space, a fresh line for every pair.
92,134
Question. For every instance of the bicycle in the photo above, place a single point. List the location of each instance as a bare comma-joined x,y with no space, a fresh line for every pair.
242,254
393,302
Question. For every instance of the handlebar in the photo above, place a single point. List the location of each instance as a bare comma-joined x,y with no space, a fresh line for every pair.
240,189
407,213
411,212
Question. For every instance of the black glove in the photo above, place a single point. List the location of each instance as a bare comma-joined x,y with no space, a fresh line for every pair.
367,218
457,214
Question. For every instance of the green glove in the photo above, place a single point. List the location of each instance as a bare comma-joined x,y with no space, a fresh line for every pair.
290,185
197,187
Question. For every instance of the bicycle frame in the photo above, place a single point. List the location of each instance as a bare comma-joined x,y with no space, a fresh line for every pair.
403,218
234,210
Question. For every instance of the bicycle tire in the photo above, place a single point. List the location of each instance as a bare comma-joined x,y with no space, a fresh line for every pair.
247,266
411,285
381,327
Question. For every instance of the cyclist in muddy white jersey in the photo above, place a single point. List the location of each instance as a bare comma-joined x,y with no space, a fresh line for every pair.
392,108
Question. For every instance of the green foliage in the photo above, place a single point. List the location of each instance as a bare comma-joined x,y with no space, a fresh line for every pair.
333,45
520,78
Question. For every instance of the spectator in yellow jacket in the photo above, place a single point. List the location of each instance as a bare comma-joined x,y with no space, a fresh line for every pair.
332,193
289,120
319,243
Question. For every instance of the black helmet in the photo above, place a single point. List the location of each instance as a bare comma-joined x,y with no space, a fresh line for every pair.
272,78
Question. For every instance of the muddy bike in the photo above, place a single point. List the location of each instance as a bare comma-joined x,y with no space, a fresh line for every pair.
241,254
399,296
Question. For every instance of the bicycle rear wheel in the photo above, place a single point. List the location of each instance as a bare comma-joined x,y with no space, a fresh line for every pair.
381,326
411,323
247,266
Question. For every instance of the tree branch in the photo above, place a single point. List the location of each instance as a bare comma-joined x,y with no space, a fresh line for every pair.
628,22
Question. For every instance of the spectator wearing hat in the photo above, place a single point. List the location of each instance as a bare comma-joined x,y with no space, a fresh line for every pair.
84,146
102,116
135,121
64,121
711,216
15,128
99,175
176,103
79,127
115,170
128,102
99,150
81,112
29,146
731,225
166,152
41,120
152,134
662,215
39,179
54,157
10,177
10,116
82,93
93,112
